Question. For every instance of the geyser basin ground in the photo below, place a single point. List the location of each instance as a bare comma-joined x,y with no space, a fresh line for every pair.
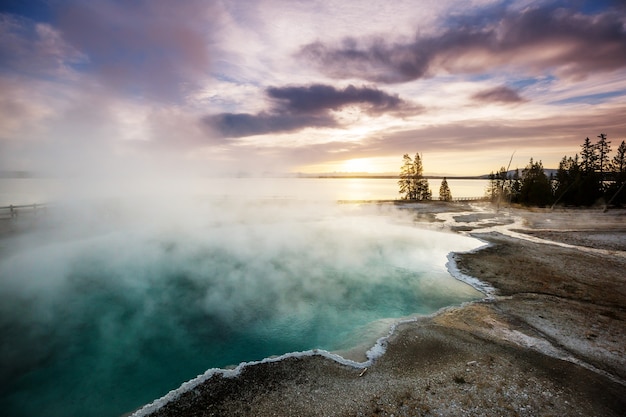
114,309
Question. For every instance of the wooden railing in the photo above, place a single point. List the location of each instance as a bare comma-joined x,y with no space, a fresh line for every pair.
14,211
470,198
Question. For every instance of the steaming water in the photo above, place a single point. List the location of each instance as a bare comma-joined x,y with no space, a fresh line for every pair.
117,307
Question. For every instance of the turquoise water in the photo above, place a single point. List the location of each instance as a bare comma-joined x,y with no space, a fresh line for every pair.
98,318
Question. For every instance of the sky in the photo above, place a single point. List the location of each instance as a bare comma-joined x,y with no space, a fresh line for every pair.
285,86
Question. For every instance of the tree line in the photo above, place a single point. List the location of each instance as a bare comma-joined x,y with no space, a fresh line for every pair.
588,178
413,185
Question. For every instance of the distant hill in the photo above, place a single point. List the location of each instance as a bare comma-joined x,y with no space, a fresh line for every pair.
511,172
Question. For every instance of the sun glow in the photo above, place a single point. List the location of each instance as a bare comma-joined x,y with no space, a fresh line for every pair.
372,165
358,165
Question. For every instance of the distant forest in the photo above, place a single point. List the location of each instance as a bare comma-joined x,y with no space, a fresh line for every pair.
592,177
595,176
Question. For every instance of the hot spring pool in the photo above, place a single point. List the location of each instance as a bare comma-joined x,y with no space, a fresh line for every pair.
99,318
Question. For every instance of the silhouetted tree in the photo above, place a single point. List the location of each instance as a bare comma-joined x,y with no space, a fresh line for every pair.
535,187
618,165
583,180
588,189
498,188
568,179
587,156
493,187
616,192
515,187
444,191
603,149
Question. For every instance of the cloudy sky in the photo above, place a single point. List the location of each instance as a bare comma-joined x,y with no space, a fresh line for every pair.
216,87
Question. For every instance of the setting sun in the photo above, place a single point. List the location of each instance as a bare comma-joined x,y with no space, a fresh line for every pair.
358,165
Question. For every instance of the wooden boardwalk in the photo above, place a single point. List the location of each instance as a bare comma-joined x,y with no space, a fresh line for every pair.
15,211
461,199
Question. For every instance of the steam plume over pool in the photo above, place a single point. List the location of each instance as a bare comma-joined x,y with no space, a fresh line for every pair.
115,308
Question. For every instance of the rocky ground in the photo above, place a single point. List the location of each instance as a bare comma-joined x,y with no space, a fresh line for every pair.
550,342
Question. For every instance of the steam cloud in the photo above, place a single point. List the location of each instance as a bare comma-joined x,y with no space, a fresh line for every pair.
130,307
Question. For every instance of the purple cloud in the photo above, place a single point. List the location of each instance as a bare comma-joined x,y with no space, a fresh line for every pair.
320,98
298,107
235,125
150,48
537,39
502,94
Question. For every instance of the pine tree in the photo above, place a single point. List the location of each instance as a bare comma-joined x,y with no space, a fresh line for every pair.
516,187
412,184
492,188
603,148
616,193
618,165
536,188
406,183
497,189
583,183
568,180
422,190
588,156
504,182
444,191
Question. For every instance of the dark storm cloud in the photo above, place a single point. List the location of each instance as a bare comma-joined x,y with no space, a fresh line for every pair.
298,107
320,98
537,39
502,94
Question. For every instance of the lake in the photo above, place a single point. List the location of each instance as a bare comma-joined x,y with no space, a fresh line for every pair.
44,190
